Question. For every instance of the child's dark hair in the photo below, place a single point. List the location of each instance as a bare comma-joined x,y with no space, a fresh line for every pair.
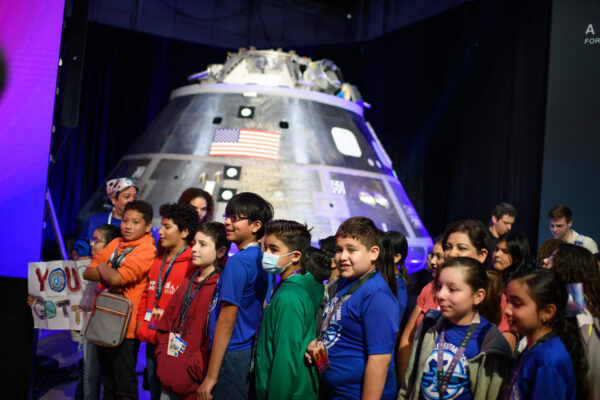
109,232
547,247
142,207
477,233
216,231
294,235
575,264
545,287
328,246
400,246
476,277
182,215
192,193
317,263
365,231
517,245
252,206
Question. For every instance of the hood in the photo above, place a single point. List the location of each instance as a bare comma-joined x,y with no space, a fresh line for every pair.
309,284
146,239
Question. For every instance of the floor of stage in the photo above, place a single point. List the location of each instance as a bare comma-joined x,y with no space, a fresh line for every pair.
60,384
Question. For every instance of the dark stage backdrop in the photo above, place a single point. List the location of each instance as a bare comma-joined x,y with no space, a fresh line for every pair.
458,102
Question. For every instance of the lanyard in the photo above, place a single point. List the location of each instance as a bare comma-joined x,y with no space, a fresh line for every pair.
444,378
188,298
161,280
109,217
115,260
344,298
512,391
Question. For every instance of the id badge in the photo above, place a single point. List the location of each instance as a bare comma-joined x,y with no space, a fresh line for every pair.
321,357
176,345
148,316
155,315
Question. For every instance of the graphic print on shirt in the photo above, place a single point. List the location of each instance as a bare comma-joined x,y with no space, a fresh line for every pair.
459,381
216,295
334,330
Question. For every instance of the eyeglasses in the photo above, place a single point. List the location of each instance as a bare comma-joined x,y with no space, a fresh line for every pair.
234,218
95,241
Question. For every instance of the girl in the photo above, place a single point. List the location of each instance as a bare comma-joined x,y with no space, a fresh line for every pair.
178,224
458,353
361,320
547,369
575,264
201,200
186,316
512,255
399,245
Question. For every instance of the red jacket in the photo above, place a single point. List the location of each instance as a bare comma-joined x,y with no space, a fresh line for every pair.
182,266
182,375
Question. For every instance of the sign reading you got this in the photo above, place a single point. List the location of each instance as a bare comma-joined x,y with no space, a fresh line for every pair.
62,298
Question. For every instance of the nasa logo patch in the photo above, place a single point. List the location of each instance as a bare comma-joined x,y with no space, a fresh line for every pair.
56,280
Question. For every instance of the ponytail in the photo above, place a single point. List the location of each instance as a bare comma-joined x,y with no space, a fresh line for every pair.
385,262
546,287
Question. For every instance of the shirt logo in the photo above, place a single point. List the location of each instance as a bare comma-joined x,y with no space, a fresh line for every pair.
459,381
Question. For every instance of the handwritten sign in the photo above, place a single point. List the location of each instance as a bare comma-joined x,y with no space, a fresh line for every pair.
62,298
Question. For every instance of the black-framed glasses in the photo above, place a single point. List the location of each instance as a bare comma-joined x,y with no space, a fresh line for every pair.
233,218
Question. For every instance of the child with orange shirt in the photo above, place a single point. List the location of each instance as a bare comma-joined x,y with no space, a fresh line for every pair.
133,255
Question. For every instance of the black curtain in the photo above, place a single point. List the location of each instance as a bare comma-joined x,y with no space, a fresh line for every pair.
458,101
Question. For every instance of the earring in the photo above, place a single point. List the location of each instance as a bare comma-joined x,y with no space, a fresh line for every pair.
543,321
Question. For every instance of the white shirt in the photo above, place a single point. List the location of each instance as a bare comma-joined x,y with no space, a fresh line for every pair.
584,241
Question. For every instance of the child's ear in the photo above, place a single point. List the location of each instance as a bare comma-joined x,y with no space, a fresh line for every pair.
547,313
148,226
479,296
374,253
255,226
185,234
296,256
221,252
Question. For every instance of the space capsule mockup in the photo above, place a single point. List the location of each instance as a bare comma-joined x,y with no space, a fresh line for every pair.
280,125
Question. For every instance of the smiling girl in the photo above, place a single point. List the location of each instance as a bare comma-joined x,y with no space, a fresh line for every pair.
458,353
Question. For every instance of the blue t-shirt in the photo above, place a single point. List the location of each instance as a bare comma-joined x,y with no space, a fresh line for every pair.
545,372
244,284
402,296
367,323
460,384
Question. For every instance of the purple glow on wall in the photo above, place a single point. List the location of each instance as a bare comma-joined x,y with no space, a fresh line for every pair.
30,33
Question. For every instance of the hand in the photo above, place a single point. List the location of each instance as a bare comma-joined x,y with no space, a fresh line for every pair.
308,355
30,300
205,389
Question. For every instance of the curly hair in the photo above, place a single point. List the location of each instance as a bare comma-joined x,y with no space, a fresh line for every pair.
182,215
192,193
576,264
546,248
317,262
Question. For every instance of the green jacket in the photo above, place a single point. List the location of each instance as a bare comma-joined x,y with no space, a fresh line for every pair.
288,325
489,370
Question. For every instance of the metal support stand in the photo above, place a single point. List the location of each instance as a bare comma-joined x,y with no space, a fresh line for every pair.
54,220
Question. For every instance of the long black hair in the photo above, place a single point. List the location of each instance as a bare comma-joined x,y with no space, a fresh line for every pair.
399,246
517,245
545,287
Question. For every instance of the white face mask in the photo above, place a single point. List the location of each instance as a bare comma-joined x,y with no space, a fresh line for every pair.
270,260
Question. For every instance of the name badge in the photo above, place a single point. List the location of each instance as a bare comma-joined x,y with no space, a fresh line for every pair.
148,316
176,345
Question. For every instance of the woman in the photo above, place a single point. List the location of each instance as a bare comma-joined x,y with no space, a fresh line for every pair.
201,200
512,255
119,192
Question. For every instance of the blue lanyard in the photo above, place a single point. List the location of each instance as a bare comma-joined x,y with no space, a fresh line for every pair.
115,260
161,280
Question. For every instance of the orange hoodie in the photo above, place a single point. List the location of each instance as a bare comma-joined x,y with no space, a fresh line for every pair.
181,267
134,269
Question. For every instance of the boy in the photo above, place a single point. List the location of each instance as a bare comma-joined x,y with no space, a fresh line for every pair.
290,319
134,253
177,228
238,301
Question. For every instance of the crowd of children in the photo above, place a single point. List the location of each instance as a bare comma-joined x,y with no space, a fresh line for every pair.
283,320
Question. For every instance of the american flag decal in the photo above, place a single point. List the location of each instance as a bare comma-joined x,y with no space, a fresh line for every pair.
245,143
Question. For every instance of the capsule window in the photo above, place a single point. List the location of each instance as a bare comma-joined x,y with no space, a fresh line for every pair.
346,142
